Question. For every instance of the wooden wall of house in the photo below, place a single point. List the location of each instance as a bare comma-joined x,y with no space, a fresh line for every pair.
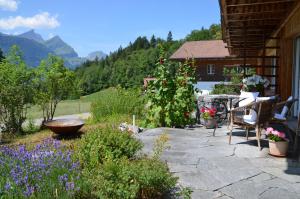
288,33
201,70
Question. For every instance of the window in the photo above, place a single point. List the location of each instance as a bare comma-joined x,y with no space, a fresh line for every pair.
211,69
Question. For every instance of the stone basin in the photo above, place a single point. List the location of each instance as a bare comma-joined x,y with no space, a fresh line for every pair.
65,126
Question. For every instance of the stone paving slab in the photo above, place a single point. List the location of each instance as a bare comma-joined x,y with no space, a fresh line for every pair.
214,169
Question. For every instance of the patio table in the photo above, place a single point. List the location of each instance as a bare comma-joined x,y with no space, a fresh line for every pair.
220,102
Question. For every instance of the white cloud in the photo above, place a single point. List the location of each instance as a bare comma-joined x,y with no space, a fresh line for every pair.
11,5
42,20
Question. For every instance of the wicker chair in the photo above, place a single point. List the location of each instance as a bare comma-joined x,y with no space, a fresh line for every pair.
264,110
279,106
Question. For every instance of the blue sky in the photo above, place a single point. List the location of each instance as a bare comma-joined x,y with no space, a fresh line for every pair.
92,25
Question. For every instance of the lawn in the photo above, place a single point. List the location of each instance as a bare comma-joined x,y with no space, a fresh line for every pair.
68,107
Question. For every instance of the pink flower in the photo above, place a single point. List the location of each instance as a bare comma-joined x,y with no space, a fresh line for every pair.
275,133
281,135
269,130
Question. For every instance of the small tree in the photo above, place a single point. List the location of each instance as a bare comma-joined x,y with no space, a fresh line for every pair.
54,83
1,55
169,37
16,91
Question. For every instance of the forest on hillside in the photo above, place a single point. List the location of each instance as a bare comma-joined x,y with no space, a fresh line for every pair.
128,66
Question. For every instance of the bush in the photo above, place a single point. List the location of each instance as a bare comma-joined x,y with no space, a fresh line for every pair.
102,144
226,89
47,171
115,102
111,168
144,178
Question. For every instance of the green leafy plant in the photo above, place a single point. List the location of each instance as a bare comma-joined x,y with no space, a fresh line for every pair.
185,192
143,178
99,145
16,90
112,169
170,100
160,145
117,102
223,88
31,127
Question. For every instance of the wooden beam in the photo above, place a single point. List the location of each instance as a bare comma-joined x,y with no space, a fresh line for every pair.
260,3
260,57
257,19
270,75
252,28
250,47
260,66
258,36
256,13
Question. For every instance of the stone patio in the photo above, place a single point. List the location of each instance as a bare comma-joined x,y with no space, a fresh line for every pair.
214,169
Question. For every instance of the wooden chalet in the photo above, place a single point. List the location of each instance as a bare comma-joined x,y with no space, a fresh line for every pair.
210,57
267,32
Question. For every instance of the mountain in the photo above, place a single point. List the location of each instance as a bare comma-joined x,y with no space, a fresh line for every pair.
35,48
60,48
32,35
33,51
92,56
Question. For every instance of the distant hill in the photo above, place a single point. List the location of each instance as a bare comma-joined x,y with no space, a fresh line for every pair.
33,51
60,48
32,35
92,56
35,48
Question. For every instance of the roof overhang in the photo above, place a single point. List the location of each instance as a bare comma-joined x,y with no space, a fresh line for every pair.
247,25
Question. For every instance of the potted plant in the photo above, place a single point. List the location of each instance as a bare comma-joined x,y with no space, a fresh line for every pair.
208,115
255,83
278,144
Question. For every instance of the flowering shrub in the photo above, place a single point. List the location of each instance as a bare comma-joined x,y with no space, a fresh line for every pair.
208,113
255,83
47,170
170,98
275,135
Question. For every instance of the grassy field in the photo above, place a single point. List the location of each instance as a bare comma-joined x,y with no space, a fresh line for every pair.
68,107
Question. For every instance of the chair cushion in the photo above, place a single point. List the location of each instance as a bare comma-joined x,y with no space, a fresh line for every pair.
285,109
279,116
259,99
247,98
251,118
290,98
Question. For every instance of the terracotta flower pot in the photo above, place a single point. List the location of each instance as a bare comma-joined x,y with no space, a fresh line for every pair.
210,123
278,148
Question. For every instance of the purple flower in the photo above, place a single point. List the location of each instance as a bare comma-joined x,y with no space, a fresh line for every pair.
7,186
70,186
32,171
29,191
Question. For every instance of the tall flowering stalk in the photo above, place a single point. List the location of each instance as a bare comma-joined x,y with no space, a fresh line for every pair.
46,170
171,98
